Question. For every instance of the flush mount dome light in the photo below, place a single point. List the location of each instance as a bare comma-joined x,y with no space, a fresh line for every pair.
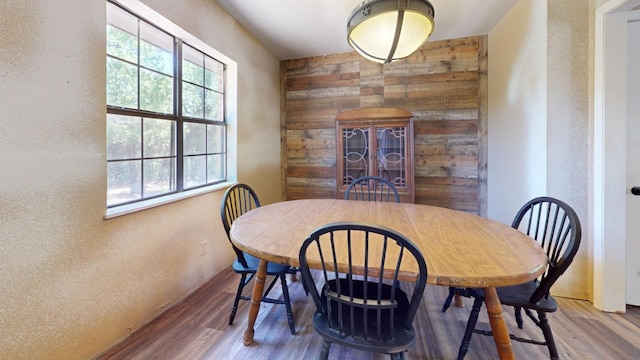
387,30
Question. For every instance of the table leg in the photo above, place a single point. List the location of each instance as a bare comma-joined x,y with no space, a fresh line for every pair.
256,297
498,324
457,301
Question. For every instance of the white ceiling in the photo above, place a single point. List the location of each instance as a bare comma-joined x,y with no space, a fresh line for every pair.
294,29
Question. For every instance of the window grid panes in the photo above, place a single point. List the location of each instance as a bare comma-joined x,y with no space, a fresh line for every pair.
166,130
202,107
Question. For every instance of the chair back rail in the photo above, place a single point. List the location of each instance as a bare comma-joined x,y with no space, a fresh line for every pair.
372,188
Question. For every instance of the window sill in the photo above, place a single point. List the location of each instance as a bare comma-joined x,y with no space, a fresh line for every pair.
147,204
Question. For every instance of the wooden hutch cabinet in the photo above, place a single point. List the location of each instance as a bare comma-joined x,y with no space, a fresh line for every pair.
379,142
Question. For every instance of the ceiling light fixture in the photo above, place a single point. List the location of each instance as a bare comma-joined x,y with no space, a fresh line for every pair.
387,30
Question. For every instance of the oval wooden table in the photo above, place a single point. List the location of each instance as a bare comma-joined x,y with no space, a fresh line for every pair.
460,249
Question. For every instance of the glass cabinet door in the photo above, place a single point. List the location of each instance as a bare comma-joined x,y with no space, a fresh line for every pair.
391,155
383,155
355,153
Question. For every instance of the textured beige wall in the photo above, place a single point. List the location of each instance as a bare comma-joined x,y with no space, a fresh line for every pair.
71,283
539,116
568,108
517,109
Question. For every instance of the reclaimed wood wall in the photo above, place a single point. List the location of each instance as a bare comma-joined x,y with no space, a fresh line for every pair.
444,85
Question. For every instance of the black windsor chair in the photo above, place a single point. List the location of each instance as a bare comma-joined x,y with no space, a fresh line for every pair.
362,309
556,227
236,201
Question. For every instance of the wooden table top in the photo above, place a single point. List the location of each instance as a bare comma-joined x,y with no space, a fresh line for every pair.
460,249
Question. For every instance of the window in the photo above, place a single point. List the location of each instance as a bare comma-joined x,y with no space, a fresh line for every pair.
166,123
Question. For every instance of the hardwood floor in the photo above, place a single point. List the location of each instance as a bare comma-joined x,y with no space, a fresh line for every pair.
197,329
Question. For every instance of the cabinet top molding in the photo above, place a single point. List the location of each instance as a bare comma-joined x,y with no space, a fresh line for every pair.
374,113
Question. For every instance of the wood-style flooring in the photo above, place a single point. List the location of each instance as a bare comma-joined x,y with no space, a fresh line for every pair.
197,328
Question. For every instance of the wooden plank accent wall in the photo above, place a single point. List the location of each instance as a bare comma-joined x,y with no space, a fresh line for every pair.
444,85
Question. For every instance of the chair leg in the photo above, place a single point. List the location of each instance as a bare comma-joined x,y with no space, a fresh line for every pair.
304,284
548,335
447,301
471,324
265,295
287,303
326,346
234,309
518,314
398,356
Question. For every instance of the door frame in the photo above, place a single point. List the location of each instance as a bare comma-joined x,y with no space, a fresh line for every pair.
608,132
632,253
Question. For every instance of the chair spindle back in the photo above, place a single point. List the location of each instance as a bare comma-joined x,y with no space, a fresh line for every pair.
237,200
556,227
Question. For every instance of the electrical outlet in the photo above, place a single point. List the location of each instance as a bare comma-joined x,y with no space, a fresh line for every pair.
203,248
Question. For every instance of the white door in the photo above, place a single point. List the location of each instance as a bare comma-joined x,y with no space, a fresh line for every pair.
633,165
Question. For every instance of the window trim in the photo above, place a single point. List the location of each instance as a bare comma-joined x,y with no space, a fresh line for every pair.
230,104
162,200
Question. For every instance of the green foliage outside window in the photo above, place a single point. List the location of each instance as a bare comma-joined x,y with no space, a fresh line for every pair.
143,121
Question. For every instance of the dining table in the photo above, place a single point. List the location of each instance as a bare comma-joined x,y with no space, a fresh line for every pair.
461,249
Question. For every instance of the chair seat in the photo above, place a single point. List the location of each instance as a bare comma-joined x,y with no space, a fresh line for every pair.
403,336
252,266
518,296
